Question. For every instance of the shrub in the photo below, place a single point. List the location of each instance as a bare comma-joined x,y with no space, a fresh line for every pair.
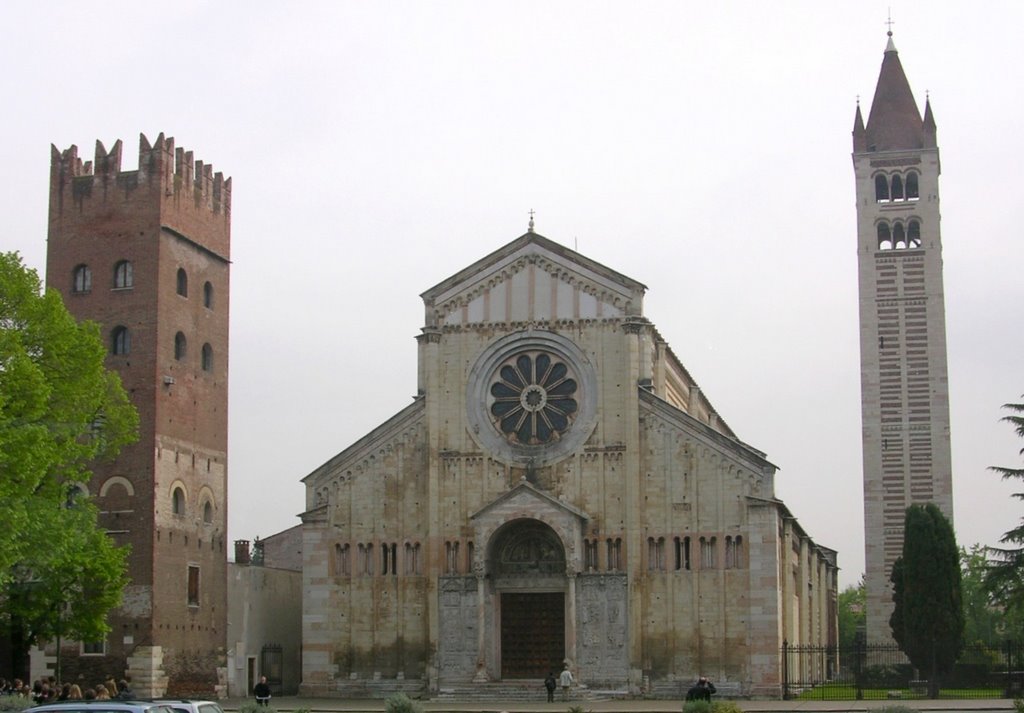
252,707
15,703
697,707
1018,704
401,703
725,707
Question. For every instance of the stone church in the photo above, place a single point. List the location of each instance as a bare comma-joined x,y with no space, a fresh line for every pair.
560,492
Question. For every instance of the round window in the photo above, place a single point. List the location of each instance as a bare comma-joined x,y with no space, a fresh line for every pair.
530,398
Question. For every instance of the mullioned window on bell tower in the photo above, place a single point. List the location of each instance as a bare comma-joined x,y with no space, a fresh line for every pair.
897,187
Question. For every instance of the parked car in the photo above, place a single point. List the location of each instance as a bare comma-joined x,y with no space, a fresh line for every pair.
188,705
110,706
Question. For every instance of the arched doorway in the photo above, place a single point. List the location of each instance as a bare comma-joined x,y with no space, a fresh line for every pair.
528,567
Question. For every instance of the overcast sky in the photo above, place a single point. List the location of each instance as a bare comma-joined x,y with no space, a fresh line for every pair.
703,149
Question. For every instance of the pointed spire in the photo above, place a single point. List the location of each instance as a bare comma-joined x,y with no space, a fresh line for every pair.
894,122
930,140
860,139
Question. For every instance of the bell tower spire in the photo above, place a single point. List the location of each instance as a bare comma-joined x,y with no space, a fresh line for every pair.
904,380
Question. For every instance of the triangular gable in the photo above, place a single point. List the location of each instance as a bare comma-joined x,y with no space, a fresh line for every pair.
528,498
532,279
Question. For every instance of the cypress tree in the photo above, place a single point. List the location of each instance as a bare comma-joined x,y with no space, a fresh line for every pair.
928,619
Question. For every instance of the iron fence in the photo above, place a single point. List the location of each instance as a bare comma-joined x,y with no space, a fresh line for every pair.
881,671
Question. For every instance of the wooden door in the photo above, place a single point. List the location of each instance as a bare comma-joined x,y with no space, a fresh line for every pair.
532,634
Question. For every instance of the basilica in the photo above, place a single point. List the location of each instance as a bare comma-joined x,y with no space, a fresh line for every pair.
561,492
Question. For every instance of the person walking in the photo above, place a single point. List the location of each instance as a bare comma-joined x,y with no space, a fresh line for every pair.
566,681
549,684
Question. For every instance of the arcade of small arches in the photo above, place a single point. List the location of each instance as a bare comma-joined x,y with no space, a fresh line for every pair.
527,550
899,236
364,561
895,187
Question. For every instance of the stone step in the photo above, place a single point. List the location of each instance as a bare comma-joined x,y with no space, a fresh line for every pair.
525,690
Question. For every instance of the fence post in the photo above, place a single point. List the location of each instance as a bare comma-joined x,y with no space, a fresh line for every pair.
858,674
785,670
1009,670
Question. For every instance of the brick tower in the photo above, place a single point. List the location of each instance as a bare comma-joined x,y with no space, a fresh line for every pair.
904,383
145,254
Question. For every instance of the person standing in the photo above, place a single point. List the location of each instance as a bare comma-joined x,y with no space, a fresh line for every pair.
702,690
566,681
262,692
549,684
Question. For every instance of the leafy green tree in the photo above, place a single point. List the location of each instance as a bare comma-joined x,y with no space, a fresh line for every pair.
928,618
852,610
60,410
1005,577
986,621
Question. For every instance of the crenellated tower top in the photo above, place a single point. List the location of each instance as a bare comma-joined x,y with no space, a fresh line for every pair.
190,197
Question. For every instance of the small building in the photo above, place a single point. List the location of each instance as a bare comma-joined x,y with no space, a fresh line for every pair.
265,614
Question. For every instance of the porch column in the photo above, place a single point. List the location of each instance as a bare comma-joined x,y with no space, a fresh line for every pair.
570,612
482,657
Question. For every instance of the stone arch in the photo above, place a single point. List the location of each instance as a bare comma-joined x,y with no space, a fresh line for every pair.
117,480
525,547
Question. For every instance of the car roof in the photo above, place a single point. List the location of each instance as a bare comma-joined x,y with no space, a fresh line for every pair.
95,706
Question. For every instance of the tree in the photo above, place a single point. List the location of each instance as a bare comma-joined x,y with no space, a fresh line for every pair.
986,621
852,611
928,619
1005,576
60,410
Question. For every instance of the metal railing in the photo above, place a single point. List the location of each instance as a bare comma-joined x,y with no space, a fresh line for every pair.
881,671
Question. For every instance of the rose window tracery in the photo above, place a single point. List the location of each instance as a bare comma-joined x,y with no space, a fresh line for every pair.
533,398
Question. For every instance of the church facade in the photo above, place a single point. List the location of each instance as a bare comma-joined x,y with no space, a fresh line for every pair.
560,492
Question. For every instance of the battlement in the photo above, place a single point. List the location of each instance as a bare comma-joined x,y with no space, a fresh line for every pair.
175,170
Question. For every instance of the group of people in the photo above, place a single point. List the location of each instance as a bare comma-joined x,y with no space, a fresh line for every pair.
700,691
48,690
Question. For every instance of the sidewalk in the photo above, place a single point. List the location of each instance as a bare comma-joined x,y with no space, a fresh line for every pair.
286,704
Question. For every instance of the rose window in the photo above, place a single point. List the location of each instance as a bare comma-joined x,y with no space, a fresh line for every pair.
533,399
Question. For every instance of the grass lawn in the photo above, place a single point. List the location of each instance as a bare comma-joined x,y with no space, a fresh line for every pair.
848,692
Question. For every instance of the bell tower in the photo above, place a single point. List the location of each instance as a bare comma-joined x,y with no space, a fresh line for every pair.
904,380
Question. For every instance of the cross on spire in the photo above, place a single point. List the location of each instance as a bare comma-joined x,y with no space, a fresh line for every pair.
890,23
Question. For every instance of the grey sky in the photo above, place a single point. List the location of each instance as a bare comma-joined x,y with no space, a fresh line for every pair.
702,149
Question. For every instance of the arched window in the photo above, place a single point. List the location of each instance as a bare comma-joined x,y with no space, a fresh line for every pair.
182,282
912,189
207,295
342,559
884,237
682,551
81,279
178,501
207,358
208,512
180,346
899,238
123,275
913,234
897,187
121,341
881,188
